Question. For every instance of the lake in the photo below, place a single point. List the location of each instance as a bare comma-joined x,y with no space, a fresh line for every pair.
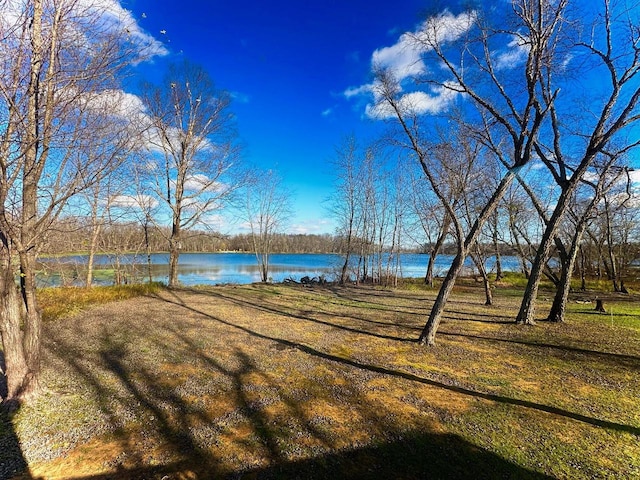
241,268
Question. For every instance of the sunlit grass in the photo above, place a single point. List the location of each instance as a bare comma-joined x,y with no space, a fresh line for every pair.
326,381
58,302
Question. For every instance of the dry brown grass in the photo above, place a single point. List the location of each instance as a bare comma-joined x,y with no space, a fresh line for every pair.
288,382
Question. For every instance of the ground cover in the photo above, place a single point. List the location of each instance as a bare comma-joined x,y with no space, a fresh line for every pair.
286,381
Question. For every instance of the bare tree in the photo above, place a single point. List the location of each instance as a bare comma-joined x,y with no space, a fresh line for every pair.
611,52
193,165
267,208
345,203
60,63
505,100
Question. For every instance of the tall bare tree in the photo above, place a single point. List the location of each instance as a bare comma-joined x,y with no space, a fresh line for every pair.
267,208
610,52
58,74
505,100
194,156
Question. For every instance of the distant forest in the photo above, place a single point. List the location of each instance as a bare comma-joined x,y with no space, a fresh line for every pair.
73,235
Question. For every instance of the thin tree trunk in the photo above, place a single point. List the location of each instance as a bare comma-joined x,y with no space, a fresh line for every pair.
583,280
93,246
496,248
477,259
428,279
428,335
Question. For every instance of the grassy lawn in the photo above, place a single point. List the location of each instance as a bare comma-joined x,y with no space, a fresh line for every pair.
282,381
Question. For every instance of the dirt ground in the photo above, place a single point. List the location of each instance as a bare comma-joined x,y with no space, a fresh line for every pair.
282,381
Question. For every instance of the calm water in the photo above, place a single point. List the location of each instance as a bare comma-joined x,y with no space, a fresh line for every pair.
217,268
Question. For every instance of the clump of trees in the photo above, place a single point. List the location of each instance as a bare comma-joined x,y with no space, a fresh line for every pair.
61,132
551,153
72,141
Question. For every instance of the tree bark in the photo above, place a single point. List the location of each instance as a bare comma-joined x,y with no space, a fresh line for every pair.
174,254
16,368
526,315
428,335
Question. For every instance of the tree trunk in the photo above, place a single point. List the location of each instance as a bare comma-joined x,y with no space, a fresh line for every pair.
496,248
561,298
428,279
428,335
345,266
583,280
568,264
264,267
174,254
526,315
33,322
92,253
16,369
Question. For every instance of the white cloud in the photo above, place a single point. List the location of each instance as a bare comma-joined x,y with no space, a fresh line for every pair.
199,182
515,54
130,201
312,226
117,18
418,103
355,91
404,60
116,103
90,20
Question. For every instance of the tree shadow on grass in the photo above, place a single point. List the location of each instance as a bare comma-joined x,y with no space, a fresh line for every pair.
406,455
191,423
616,359
268,307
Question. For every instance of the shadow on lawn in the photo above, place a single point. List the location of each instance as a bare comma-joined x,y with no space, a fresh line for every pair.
268,307
411,455
408,376
424,455
191,436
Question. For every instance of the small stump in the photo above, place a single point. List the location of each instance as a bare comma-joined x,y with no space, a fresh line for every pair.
599,306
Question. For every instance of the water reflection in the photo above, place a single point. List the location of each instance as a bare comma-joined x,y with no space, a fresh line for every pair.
217,268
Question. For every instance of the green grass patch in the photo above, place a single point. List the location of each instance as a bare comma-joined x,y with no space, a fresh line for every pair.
58,302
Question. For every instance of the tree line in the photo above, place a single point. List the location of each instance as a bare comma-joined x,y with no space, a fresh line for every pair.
72,235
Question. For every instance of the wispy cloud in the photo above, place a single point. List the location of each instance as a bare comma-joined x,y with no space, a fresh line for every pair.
327,112
312,226
404,60
515,54
240,97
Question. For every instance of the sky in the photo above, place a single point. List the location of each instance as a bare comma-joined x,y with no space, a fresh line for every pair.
288,65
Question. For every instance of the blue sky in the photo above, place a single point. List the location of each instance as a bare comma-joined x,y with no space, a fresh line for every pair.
288,65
